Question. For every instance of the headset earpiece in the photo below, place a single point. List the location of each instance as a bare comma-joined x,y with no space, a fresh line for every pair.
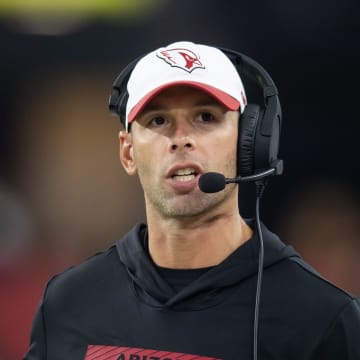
248,122
259,125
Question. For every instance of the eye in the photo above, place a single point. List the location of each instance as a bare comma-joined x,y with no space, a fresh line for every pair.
157,121
206,117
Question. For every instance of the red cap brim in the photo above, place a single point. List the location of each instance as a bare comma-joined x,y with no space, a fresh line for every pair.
224,98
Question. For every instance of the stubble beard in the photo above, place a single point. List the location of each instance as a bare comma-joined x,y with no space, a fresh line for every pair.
185,206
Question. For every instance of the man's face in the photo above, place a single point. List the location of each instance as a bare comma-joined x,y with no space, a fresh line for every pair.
181,134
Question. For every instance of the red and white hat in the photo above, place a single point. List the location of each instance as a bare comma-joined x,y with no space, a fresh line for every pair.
184,63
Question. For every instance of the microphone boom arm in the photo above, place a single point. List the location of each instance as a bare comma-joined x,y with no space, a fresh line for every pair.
254,177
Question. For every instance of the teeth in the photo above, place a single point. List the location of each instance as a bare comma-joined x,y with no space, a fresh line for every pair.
184,172
184,177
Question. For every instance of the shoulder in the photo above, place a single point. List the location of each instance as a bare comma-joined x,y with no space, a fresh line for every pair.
295,283
316,282
84,280
98,271
299,302
292,276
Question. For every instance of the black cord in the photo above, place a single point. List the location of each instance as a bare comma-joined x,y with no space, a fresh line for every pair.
260,187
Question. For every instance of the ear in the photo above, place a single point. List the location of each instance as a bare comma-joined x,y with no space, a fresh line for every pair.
127,152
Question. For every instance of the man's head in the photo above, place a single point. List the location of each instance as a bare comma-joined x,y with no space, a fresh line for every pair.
211,70
183,106
166,94
184,63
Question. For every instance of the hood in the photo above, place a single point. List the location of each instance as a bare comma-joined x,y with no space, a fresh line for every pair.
153,290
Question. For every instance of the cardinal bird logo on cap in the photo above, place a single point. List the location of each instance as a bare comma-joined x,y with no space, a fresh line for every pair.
182,58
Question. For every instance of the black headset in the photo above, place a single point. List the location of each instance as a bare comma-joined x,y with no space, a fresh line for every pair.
259,125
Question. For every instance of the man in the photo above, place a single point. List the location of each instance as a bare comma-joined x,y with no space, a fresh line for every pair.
184,286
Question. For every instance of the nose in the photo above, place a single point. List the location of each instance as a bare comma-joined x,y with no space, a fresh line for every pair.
182,144
182,138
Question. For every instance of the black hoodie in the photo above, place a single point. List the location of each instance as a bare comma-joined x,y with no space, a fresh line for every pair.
117,305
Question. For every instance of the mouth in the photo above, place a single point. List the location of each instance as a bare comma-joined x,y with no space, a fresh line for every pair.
186,174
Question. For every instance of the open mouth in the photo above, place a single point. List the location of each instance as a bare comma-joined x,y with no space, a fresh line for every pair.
186,174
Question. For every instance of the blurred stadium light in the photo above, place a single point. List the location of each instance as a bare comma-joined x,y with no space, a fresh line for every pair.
63,16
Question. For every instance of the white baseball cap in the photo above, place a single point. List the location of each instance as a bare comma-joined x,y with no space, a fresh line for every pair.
184,63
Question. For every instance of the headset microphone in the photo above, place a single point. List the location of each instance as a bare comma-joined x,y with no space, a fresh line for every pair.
213,182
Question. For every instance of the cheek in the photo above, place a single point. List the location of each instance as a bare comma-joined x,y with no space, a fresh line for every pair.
140,157
225,150
226,144
148,147
146,158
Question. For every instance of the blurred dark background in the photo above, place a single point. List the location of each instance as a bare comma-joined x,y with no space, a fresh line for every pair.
63,193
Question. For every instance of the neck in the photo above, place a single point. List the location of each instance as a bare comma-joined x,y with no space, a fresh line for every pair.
196,243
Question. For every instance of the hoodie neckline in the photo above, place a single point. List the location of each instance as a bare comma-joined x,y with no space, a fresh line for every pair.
152,289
